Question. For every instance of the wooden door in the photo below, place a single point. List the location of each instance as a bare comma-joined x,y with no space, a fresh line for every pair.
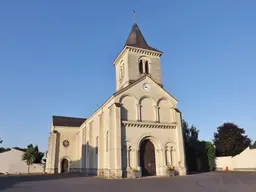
147,158
64,166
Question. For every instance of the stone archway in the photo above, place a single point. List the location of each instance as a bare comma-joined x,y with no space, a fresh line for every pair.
147,158
64,166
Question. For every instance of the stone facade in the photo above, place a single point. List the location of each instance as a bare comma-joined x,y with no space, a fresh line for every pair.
108,142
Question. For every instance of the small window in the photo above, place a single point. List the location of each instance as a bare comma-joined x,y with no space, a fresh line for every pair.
146,67
141,67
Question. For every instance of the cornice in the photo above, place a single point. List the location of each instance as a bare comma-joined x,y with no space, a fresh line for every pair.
155,125
144,51
137,50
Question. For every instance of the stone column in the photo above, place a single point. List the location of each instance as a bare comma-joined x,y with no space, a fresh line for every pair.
169,157
143,64
138,112
138,158
135,158
162,164
157,113
174,156
128,158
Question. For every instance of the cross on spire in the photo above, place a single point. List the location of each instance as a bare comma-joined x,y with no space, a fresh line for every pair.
134,16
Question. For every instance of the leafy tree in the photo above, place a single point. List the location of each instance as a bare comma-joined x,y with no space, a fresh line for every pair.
29,156
200,155
190,134
190,139
210,150
253,145
230,140
32,155
38,155
2,149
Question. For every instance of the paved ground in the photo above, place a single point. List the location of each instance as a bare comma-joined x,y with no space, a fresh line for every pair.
206,182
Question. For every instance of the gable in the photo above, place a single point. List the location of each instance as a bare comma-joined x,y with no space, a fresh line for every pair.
155,92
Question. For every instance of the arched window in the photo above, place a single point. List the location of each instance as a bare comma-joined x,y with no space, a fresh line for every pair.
97,143
107,141
141,67
146,67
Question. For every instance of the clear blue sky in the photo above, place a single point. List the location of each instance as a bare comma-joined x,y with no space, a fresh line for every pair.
53,52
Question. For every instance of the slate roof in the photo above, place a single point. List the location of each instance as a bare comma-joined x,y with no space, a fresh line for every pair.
67,121
136,39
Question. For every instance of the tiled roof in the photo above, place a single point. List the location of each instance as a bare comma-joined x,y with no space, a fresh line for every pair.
136,39
67,121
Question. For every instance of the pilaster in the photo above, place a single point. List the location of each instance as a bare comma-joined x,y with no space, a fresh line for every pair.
52,168
87,148
115,150
118,137
101,143
180,142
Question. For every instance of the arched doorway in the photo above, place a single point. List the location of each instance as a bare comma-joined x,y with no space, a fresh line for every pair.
64,166
147,158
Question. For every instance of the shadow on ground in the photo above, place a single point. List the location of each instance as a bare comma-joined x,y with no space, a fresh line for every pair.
10,181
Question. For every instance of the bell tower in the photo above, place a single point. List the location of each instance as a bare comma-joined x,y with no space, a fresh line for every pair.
137,59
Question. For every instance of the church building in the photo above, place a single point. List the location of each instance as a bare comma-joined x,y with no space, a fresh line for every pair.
137,129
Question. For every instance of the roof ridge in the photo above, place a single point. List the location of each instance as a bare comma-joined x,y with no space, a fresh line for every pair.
67,121
68,117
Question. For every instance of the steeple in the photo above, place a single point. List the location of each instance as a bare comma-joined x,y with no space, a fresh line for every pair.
136,39
137,59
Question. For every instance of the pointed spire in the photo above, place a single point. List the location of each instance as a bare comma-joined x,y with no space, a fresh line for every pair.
136,39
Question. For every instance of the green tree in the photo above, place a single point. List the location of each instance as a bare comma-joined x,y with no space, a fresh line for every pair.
230,140
253,145
29,156
2,149
190,140
38,155
190,133
210,154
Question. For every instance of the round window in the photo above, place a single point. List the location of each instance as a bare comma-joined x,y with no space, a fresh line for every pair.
65,143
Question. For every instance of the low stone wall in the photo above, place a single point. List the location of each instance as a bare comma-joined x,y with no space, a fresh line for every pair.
34,168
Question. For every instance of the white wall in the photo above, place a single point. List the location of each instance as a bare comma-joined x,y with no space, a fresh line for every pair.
12,163
245,161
